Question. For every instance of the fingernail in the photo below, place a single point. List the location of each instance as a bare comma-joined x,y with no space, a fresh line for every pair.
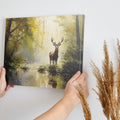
78,73
11,85
3,69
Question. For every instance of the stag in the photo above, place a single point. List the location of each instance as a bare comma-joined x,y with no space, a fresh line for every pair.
54,54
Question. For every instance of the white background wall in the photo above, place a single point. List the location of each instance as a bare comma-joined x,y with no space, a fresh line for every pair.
102,22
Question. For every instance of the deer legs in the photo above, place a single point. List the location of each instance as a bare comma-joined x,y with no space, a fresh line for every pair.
53,61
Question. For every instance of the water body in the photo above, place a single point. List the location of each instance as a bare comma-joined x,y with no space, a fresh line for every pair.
33,77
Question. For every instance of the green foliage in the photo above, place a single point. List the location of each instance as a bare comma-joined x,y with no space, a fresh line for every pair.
41,69
21,33
71,61
15,62
25,68
69,69
54,70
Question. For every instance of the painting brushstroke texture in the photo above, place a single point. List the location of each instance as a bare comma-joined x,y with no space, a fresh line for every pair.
43,51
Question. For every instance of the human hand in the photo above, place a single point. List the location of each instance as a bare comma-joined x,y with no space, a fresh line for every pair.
71,93
3,85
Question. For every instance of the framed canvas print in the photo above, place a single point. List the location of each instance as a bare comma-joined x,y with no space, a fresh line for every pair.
43,51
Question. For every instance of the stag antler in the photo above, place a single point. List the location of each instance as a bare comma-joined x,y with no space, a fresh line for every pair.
62,39
54,43
60,42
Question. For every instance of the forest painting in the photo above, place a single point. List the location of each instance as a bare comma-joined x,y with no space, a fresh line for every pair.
43,51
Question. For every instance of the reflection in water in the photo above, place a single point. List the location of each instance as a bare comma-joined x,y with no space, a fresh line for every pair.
53,83
32,77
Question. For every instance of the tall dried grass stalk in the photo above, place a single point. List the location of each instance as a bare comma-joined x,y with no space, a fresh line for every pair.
86,110
108,84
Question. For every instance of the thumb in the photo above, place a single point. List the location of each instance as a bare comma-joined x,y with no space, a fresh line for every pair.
3,72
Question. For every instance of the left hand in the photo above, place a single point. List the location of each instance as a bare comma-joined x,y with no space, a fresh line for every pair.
3,84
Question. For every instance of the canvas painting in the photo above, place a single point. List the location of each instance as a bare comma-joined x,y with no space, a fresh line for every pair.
43,51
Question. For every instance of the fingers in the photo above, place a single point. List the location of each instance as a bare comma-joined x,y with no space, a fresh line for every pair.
2,73
1,95
3,85
75,76
7,88
81,80
82,77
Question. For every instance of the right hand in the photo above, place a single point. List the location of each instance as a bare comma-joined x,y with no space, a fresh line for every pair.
71,93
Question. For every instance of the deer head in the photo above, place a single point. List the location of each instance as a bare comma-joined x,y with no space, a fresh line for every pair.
57,45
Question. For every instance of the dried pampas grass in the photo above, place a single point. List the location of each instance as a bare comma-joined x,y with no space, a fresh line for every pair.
108,84
86,110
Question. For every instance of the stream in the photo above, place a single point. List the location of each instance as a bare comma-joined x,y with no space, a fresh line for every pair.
32,77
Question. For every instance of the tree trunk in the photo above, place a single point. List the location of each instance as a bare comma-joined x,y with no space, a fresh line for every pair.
8,27
7,34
